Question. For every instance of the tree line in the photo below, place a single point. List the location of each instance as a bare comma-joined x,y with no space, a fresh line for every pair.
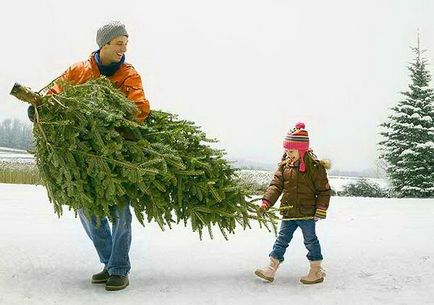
16,134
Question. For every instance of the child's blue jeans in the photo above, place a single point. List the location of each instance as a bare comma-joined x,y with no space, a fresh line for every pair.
113,245
287,229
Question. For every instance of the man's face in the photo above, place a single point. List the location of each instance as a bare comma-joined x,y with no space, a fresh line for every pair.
114,50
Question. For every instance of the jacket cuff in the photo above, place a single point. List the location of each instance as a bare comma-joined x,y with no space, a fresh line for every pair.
321,213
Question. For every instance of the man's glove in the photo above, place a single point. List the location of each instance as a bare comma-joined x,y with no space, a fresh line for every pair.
126,133
31,113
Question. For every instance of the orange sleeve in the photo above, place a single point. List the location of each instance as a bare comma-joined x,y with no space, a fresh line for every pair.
134,90
67,76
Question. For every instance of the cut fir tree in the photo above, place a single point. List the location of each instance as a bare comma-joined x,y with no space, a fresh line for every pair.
92,154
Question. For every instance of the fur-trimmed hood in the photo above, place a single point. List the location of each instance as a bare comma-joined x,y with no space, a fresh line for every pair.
326,163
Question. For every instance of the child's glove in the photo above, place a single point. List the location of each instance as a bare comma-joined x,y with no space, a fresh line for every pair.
264,206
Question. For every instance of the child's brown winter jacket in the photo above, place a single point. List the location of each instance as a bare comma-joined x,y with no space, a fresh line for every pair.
304,194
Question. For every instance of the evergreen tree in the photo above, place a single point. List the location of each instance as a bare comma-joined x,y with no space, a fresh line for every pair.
363,188
408,147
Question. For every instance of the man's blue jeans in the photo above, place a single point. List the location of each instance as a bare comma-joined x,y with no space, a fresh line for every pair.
287,229
113,245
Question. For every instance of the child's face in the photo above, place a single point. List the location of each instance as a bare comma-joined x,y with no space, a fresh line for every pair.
293,154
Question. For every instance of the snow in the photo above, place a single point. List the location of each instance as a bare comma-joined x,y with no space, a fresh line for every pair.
377,251
407,107
427,119
398,115
416,116
17,158
7,149
407,152
337,183
429,145
11,155
409,125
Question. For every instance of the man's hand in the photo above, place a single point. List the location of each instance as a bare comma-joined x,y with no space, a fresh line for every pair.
126,133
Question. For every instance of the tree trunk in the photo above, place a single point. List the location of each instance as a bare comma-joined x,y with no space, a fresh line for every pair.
25,94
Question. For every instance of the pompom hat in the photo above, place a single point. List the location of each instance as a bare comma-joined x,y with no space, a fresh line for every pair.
298,139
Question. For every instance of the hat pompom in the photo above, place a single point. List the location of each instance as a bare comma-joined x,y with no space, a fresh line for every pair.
298,138
300,125
326,163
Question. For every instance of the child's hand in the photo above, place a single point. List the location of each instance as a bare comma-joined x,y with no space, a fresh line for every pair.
261,210
264,206
316,219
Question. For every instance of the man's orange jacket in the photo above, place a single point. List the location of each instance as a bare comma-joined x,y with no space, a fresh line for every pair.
125,78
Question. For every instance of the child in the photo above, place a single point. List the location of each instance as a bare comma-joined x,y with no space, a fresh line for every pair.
302,179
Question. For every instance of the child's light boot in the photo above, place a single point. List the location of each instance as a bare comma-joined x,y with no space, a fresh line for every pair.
316,274
267,273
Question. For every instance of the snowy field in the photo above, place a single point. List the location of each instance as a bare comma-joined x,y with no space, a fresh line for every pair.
376,251
258,177
11,155
263,177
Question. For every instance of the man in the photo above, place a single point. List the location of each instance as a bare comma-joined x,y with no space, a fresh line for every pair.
109,60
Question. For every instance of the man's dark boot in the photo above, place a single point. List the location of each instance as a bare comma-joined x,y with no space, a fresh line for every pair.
117,282
100,278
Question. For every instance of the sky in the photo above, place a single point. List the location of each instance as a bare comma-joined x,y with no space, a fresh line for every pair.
245,71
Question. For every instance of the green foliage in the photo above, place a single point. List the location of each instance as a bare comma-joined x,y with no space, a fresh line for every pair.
167,172
363,188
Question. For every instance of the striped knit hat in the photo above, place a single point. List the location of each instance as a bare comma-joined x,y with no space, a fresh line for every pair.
298,139
109,31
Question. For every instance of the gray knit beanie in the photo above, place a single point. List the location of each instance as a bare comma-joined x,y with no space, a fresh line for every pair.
109,31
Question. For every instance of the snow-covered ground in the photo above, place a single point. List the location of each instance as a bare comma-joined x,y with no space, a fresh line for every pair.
11,155
257,177
7,149
376,251
263,177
